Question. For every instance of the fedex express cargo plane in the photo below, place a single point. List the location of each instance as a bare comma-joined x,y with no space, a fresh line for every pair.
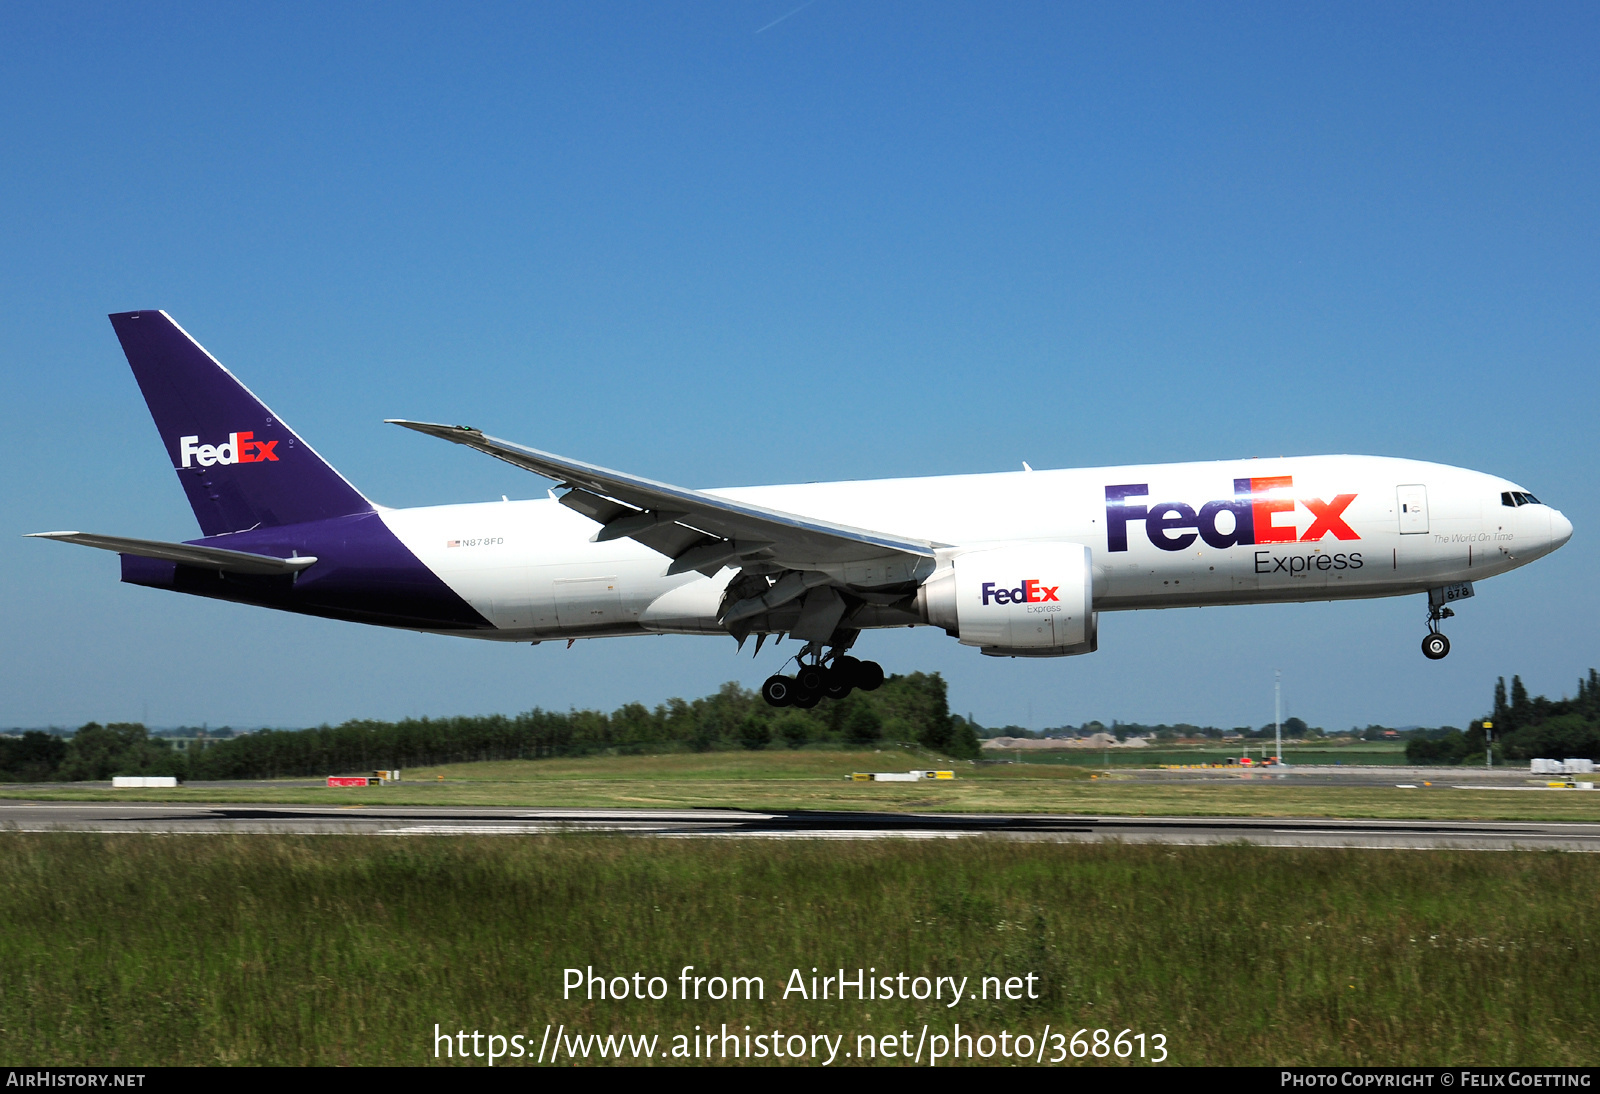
1018,564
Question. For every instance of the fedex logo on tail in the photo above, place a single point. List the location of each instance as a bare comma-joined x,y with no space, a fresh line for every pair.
239,448
1258,512
1029,592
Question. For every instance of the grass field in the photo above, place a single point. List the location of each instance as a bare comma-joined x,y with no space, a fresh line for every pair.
142,950
784,780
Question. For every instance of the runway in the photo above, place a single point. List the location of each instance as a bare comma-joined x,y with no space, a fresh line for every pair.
728,823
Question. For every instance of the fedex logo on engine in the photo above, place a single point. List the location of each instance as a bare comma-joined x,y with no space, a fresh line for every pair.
1252,515
239,448
1029,592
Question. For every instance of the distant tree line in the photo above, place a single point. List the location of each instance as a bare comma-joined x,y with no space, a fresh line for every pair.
1295,728
1521,728
911,709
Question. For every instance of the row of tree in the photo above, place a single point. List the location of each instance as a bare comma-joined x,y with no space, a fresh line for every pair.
1294,728
1522,728
909,709
912,709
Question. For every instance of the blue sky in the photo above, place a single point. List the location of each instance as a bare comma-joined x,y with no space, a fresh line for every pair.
868,240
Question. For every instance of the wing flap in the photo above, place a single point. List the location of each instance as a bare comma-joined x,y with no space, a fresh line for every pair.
594,506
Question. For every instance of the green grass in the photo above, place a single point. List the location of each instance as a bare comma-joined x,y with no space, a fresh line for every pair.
149,950
784,780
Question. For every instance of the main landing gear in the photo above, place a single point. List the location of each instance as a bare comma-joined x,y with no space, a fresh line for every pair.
1436,646
833,678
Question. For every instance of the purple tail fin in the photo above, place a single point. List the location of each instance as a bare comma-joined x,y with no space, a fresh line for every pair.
240,465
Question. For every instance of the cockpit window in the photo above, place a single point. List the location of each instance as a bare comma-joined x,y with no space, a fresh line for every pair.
1529,499
1513,498
1508,499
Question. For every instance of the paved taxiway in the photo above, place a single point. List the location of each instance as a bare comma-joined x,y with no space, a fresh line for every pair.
1466,778
680,823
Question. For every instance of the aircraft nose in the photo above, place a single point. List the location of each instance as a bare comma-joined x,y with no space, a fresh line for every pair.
1560,529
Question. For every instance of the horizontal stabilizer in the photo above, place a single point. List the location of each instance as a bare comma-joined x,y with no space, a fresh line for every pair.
188,554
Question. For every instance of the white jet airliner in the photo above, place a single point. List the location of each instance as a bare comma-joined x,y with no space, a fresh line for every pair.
1018,564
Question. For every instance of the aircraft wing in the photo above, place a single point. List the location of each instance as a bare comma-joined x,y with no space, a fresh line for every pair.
189,554
705,532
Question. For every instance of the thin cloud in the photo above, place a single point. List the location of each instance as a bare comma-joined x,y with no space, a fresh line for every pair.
781,18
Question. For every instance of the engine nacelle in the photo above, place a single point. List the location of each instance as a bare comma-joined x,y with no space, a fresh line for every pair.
1020,600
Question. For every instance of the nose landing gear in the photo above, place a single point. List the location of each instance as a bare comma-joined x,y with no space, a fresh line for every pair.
1436,646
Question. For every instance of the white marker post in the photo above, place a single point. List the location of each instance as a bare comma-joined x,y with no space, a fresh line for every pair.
1277,715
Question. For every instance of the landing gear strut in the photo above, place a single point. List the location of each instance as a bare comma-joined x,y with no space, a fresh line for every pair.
1436,646
820,676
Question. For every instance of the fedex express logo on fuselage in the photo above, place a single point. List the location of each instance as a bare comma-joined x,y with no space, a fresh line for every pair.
239,448
1254,511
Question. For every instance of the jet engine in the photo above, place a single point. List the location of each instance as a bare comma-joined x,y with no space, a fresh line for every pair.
1017,600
